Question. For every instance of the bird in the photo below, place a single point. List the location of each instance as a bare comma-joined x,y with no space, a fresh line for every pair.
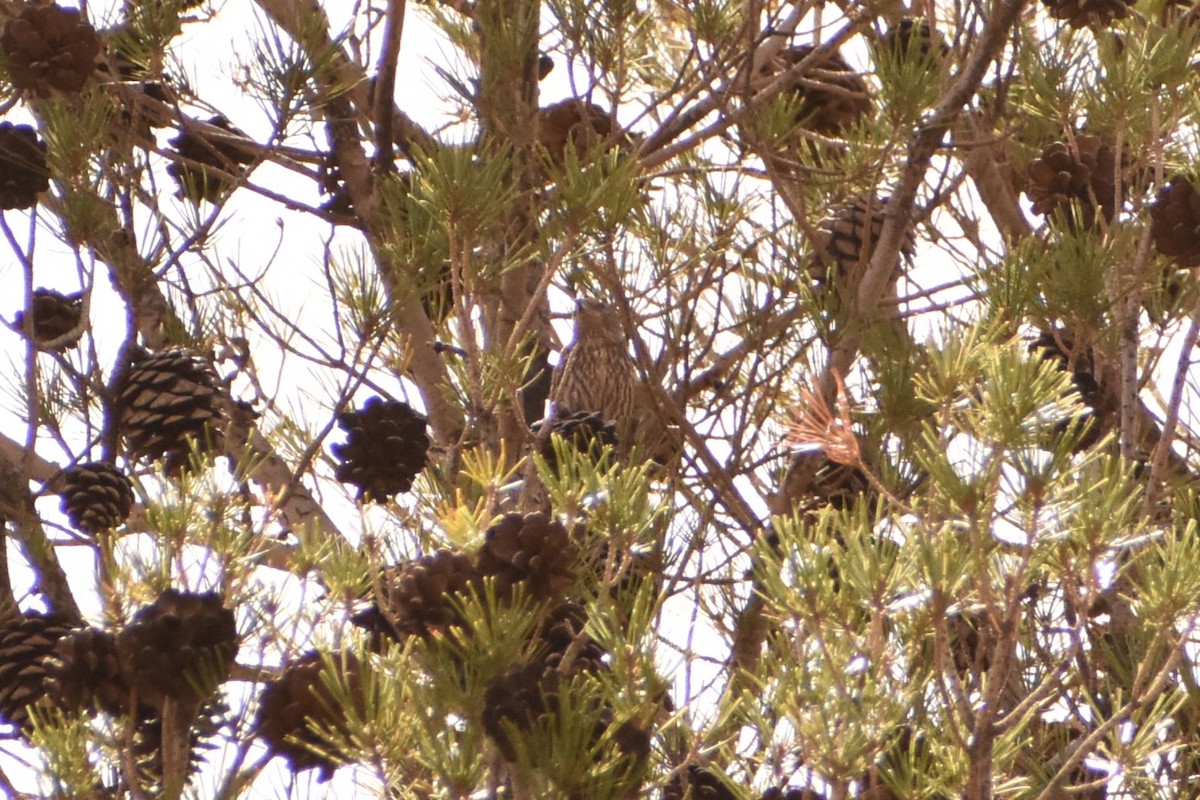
596,373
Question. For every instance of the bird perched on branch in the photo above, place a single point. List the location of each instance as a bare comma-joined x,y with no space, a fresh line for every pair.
598,375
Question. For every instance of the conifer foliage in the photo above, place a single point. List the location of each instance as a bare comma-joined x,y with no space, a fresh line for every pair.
599,400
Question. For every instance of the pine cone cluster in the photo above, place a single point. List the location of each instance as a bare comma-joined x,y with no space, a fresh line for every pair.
576,124
25,643
1175,222
586,431
97,497
845,241
83,673
515,701
49,47
23,170
181,647
166,400
1086,175
1088,13
420,598
300,703
533,552
831,96
386,448
56,320
196,180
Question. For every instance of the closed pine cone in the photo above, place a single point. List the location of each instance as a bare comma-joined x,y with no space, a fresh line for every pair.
83,673
1175,222
97,496
24,173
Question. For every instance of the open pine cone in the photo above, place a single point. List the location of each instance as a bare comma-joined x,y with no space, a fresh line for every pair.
1175,222
83,673
385,449
23,170
97,497
180,647
166,400
419,598
1086,175
49,47
517,699
25,643
300,703
533,551
56,320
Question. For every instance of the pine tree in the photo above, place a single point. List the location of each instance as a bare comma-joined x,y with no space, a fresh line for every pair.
600,400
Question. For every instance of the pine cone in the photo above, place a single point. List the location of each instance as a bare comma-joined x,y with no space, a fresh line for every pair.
573,123
386,448
814,481
97,497
300,703
845,241
530,551
1081,363
148,741
1087,176
563,630
911,35
25,642
55,316
700,784
49,47
831,96
83,673
596,373
165,400
1175,222
23,170
196,181
1088,13
586,431
513,703
181,647
420,598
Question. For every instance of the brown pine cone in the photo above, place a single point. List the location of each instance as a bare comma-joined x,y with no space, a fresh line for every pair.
563,630
1088,13
832,97
25,643
515,701
148,741
1081,363
196,181
167,400
576,124
300,703
83,673
181,647
97,497
1087,175
533,552
845,241
386,448
586,431
49,47
56,320
913,36
698,784
23,170
420,598
1175,222
814,481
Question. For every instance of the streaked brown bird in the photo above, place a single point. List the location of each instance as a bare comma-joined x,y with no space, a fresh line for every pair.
597,373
